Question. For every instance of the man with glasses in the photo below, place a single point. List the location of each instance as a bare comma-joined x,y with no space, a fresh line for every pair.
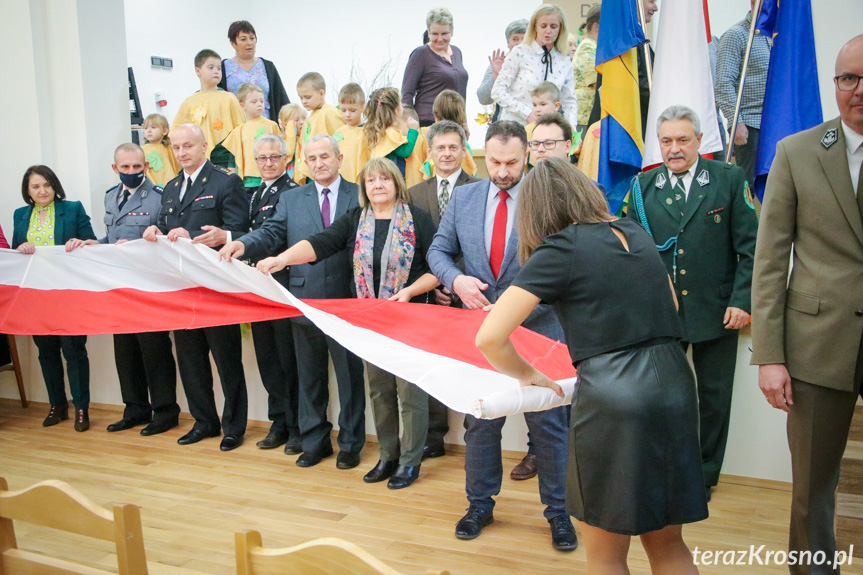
806,329
551,138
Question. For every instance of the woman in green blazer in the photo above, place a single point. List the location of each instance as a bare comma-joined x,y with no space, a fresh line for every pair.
49,220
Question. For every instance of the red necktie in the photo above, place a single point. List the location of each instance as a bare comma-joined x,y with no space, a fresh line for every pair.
498,235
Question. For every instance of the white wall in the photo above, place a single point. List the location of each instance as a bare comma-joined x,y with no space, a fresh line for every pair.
68,110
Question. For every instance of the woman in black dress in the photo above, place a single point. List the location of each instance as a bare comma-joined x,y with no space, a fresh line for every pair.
389,239
634,459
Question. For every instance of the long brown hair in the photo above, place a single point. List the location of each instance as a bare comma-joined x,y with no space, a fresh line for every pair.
381,112
554,195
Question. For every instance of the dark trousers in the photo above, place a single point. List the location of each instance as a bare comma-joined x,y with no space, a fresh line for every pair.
312,348
74,349
148,376
744,155
438,423
714,361
484,469
817,430
193,347
277,364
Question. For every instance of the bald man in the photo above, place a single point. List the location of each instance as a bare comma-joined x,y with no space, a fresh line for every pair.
807,330
207,204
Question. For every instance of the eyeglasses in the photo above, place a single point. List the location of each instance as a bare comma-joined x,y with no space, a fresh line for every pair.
547,144
847,82
265,159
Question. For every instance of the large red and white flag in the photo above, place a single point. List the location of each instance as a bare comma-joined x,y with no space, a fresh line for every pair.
142,286
682,75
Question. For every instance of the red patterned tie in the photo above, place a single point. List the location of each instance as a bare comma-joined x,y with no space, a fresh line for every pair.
498,235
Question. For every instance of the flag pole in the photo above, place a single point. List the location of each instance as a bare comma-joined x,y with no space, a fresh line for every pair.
756,13
646,47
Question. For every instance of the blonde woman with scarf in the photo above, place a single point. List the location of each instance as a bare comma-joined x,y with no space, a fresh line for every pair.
389,239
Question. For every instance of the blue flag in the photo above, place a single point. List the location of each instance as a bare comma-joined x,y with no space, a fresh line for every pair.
621,144
792,102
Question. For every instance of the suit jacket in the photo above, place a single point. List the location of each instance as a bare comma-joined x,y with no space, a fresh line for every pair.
715,246
461,232
424,194
139,212
812,322
217,198
263,209
70,221
298,216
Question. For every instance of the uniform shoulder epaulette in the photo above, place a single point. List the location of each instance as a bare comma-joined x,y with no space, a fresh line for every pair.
158,189
109,190
222,169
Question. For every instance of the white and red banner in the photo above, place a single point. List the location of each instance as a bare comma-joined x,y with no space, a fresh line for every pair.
142,286
682,75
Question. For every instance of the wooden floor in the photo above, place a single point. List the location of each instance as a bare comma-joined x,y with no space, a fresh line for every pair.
193,498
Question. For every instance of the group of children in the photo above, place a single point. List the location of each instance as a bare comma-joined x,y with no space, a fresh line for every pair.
379,127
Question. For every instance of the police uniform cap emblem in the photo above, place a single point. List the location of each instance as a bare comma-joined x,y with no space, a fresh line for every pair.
703,178
660,181
830,137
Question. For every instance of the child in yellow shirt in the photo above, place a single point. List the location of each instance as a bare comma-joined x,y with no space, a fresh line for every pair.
292,118
387,133
157,151
241,141
217,112
323,118
352,100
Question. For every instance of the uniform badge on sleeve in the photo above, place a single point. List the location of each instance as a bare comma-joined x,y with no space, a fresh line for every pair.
703,178
660,181
830,137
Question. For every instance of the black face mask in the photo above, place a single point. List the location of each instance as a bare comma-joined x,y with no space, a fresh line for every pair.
132,181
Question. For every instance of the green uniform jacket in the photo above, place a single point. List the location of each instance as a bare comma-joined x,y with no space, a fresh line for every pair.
715,246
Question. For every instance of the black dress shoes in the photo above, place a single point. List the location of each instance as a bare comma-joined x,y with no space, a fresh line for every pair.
56,414
82,420
197,434
347,460
432,451
126,423
470,526
272,440
404,476
383,470
230,442
563,537
311,458
707,493
157,427
293,446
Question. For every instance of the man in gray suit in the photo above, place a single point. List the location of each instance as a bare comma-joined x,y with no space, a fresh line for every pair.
300,213
447,150
479,225
145,361
807,330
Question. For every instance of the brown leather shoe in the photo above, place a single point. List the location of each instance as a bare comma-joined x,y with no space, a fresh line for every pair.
524,470
82,420
56,414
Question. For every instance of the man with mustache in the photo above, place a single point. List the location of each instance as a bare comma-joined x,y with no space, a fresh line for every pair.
702,219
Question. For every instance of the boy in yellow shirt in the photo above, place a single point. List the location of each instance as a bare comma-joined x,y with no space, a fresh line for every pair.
352,100
241,141
323,118
216,111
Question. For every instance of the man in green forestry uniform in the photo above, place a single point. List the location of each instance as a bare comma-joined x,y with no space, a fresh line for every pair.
701,217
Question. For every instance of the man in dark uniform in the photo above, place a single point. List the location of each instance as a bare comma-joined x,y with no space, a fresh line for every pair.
701,217
301,213
208,204
145,361
273,339
447,150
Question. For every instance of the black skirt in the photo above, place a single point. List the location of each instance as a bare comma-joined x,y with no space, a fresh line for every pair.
634,454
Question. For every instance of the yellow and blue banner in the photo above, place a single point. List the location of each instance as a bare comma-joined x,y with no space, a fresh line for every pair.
792,102
621,143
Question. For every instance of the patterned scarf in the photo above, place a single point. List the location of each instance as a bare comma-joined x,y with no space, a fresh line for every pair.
397,256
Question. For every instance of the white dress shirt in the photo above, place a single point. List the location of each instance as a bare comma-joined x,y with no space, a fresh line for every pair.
333,195
854,149
491,203
451,180
193,175
688,177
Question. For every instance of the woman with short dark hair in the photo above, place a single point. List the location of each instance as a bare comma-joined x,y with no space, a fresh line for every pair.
246,68
49,219
635,408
